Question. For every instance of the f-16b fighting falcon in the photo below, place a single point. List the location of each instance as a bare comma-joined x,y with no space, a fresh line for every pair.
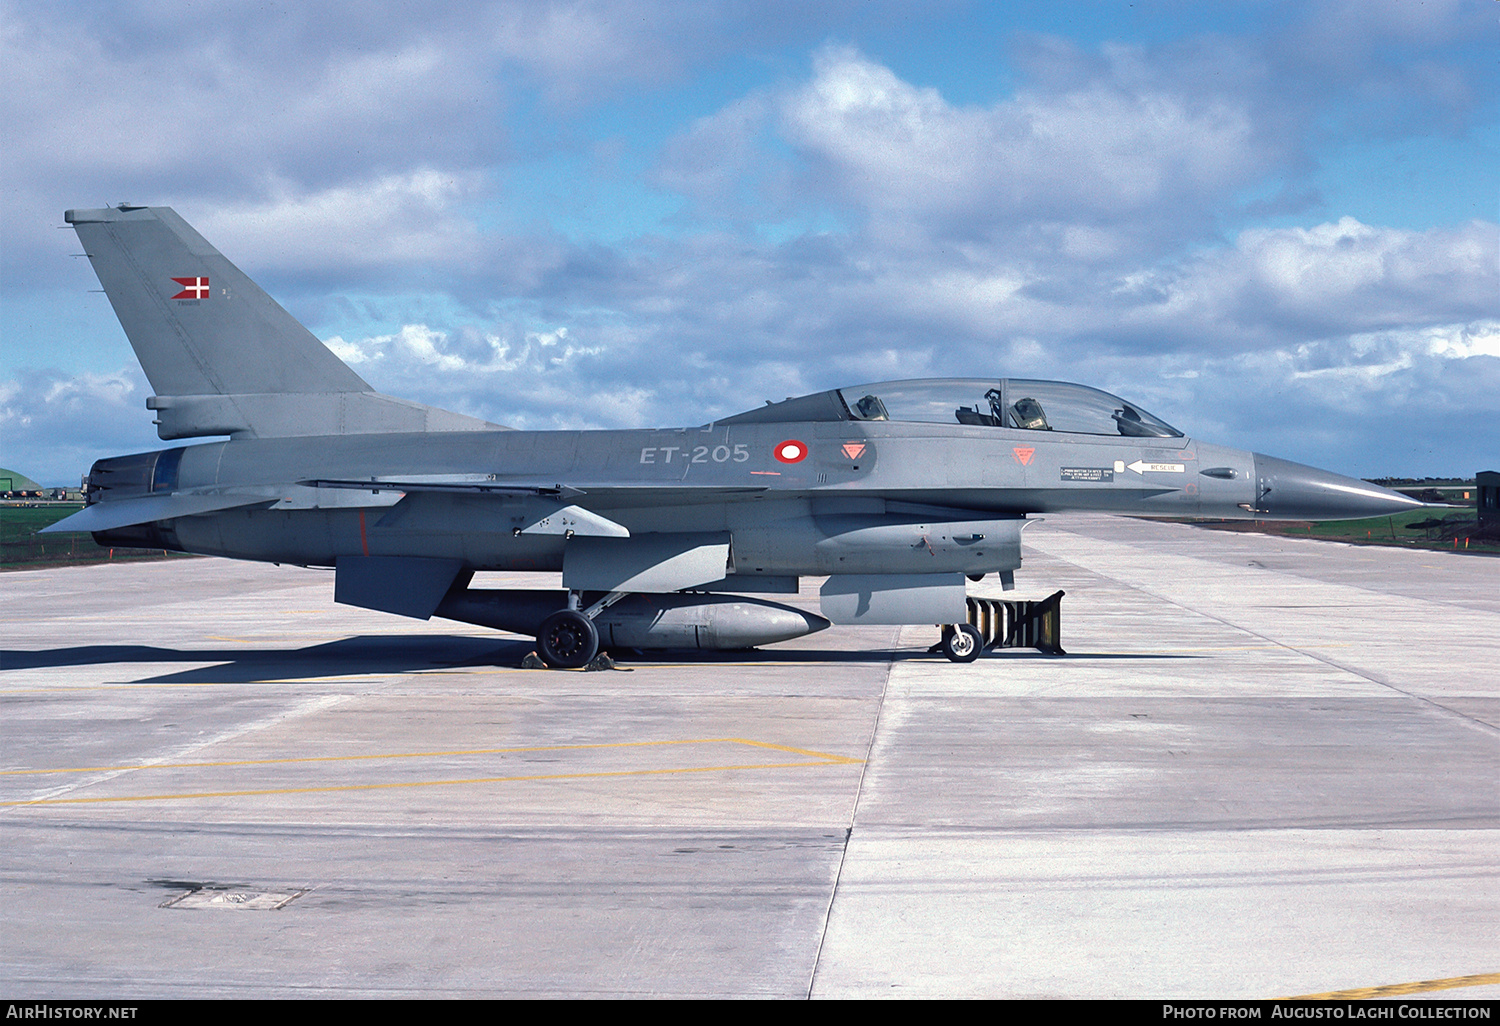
897,491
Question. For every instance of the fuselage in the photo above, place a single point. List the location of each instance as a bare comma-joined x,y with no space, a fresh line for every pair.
781,490
844,482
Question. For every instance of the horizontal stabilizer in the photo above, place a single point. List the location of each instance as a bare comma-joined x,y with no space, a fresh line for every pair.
106,516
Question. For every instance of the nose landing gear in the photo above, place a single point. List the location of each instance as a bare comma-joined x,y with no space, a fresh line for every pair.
962,642
1004,623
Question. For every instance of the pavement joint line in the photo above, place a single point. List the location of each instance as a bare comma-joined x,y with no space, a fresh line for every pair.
824,756
1397,989
859,790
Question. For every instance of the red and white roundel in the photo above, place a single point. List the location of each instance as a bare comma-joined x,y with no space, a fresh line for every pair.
791,451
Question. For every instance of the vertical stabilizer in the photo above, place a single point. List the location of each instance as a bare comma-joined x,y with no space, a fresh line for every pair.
223,357
197,324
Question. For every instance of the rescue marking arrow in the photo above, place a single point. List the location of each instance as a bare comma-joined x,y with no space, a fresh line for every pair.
1141,467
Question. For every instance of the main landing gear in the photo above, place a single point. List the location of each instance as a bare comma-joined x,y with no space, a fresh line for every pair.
567,640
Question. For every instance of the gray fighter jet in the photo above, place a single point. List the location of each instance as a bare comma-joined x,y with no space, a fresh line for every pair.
897,491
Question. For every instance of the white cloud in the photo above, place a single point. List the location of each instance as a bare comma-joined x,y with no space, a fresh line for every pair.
411,218
223,103
56,426
1461,341
419,348
1117,147
321,110
723,163
1386,269
1345,277
575,49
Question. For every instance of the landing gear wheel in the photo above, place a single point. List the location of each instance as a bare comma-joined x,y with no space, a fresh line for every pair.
962,643
567,640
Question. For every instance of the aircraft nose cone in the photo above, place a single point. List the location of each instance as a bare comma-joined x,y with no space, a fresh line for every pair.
1291,491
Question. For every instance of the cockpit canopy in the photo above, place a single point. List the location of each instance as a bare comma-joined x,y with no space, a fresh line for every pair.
1016,403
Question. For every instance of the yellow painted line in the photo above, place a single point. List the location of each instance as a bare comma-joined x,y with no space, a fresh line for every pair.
423,783
797,751
715,665
824,756
819,759
1397,989
330,679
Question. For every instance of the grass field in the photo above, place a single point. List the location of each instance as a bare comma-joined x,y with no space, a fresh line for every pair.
21,548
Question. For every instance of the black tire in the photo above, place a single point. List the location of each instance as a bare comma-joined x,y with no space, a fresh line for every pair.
567,640
962,643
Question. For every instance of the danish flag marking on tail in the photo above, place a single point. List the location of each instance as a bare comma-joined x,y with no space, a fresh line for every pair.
192,288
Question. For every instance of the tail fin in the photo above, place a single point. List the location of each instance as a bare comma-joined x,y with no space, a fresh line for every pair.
222,356
197,324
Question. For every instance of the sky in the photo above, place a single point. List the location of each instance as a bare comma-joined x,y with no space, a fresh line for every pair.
1271,224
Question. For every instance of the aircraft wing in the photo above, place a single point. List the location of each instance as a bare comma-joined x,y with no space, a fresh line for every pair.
472,484
633,494
116,513
532,508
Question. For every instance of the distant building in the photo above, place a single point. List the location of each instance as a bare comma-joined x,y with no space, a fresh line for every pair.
1488,504
15,485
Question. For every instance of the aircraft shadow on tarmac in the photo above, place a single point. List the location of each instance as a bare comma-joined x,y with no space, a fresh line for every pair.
384,654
